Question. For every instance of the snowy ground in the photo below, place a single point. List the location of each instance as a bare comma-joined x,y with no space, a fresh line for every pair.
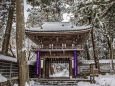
64,73
101,80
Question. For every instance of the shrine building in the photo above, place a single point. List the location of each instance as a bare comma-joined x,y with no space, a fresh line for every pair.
57,42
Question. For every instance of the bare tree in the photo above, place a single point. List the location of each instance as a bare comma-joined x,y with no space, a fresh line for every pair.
94,50
6,40
87,51
21,54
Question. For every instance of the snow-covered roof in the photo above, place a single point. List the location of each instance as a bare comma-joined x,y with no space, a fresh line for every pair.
58,26
2,78
100,61
11,59
7,58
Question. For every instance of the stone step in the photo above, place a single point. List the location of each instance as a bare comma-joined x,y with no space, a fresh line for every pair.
59,82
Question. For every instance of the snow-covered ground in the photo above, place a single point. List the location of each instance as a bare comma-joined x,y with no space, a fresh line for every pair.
64,73
101,80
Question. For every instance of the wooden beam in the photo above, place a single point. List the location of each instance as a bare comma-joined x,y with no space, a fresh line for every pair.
56,56
44,68
70,68
53,50
51,39
57,33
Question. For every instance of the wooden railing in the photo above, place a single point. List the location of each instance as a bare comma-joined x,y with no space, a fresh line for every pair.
57,47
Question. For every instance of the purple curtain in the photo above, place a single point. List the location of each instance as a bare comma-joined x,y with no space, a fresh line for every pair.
75,63
38,63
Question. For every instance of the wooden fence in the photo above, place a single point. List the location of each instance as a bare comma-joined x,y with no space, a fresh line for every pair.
10,69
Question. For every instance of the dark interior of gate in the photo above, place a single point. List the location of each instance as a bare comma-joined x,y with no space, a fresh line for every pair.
58,46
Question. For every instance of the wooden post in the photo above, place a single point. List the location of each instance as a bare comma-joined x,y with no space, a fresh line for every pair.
40,69
114,48
48,67
44,68
10,70
38,64
70,68
92,73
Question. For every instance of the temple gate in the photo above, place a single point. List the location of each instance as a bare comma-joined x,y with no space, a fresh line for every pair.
57,42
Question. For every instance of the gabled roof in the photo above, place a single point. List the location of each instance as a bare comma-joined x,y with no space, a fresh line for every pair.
58,26
11,59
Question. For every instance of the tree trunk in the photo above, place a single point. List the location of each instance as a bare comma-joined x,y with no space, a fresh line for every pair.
21,55
114,48
111,50
10,48
2,23
111,56
94,50
6,40
114,53
87,51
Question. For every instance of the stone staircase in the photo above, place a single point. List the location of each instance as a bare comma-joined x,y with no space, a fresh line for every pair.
59,82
